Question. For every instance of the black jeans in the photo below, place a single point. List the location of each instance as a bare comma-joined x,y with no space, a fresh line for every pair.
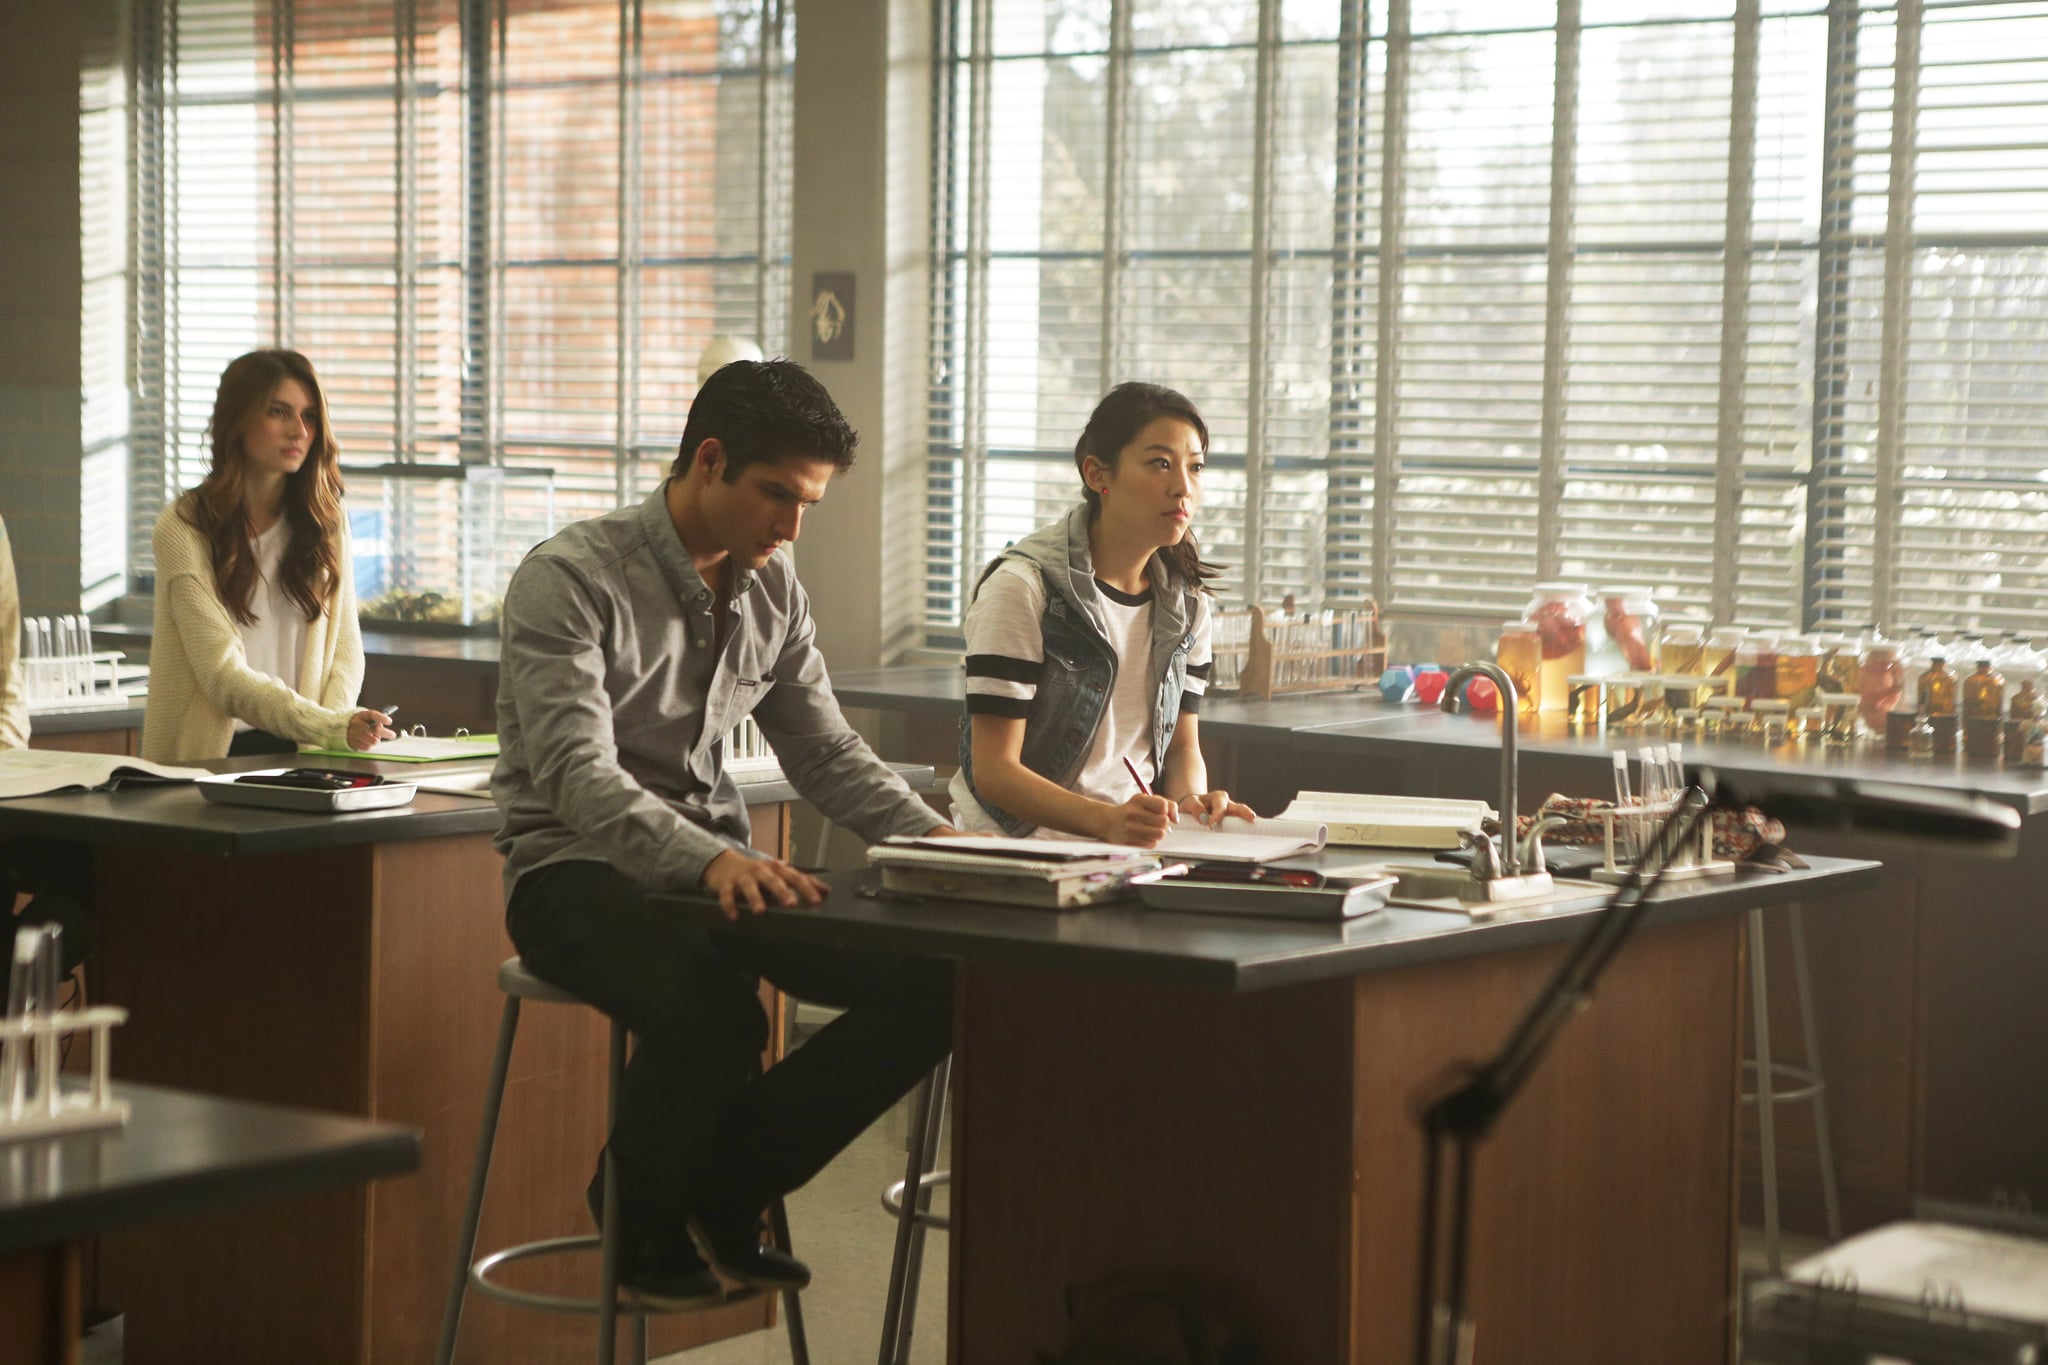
702,1129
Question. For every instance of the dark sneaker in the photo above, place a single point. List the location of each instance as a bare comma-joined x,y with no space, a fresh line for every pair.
734,1248
671,1289
656,1278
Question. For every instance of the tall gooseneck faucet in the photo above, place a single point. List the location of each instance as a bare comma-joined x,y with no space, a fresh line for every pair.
1454,687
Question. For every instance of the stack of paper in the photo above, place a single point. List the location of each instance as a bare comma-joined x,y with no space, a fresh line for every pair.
1055,874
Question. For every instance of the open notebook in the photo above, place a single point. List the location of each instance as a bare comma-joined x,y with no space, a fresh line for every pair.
1242,841
1374,821
33,772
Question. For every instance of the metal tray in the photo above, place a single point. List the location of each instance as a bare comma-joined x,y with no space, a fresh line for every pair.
226,791
1341,898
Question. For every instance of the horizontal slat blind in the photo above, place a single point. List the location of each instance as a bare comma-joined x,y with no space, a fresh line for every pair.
311,184
1764,513
1971,543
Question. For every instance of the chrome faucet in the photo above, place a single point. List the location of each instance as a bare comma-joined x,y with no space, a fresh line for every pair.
1510,855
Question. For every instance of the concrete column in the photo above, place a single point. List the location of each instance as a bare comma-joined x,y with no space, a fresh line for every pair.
862,136
40,276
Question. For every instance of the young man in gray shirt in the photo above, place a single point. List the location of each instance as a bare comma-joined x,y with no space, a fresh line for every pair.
632,644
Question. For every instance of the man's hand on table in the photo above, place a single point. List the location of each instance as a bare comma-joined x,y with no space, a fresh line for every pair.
739,881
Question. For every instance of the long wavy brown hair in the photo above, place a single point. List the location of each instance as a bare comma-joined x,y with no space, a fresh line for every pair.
310,571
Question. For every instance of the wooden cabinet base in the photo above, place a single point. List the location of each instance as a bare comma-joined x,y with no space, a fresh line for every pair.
1262,1148
39,1307
357,979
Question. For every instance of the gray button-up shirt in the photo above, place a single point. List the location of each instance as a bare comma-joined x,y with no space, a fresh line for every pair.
614,704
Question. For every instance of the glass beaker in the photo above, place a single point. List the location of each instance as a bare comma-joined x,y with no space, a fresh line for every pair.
1519,653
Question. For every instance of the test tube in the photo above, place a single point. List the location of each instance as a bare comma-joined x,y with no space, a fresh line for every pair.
47,1055
20,1004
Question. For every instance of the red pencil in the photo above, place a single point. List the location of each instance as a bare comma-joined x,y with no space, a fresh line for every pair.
1132,769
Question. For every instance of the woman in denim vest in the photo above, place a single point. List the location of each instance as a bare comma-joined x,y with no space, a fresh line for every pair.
1088,646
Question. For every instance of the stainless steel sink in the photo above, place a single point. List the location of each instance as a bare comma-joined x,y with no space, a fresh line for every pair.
1440,888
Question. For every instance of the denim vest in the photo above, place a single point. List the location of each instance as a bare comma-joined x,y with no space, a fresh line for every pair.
1080,666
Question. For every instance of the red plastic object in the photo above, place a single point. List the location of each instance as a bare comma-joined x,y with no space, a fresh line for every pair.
1482,696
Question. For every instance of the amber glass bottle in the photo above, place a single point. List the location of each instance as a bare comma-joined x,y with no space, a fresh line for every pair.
1983,693
1938,689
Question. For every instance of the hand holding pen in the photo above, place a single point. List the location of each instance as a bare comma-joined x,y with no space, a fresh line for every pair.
366,728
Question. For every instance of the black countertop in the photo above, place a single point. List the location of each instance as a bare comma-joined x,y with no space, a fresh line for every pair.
1407,729
177,816
462,651
941,690
1224,953
1361,724
181,1153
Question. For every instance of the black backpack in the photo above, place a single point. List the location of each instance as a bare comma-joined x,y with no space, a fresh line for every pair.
1146,1322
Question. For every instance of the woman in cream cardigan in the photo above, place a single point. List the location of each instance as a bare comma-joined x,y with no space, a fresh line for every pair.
256,647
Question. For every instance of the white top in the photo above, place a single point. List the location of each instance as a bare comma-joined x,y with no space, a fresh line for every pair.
275,641
1005,623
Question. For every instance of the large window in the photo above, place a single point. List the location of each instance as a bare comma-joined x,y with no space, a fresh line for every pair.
503,230
1747,301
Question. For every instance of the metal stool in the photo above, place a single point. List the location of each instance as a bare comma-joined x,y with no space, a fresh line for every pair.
914,1215
1806,1081
519,984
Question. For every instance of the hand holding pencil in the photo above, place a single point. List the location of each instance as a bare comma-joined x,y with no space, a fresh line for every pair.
1142,820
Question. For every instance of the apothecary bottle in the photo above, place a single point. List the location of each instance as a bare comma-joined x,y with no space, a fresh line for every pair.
1629,620
1880,684
1560,612
1937,690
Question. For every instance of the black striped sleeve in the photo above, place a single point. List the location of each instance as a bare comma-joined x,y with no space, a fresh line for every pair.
1004,667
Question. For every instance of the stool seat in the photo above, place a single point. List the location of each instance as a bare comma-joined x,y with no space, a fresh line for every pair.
518,985
515,980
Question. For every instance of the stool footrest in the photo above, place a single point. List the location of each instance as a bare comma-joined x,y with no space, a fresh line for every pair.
892,1200
1810,1086
480,1276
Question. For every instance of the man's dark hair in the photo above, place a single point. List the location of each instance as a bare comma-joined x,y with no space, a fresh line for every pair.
765,410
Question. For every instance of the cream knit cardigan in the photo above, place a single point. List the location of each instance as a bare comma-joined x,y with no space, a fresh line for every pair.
13,688
200,682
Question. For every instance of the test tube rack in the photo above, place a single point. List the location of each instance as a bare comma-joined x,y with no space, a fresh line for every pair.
1633,825
1332,651
34,1103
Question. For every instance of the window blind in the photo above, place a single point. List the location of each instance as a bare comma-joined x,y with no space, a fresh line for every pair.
502,233
1476,293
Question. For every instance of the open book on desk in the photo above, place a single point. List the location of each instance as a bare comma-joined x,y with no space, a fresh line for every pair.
1377,821
37,772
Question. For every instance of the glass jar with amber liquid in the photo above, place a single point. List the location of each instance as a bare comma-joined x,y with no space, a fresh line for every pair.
1839,657
1560,613
2022,719
1520,655
1797,673
1683,650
